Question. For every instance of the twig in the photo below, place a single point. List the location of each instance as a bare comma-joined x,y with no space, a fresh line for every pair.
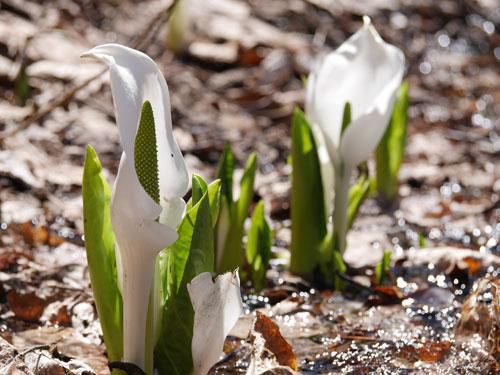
153,26
60,101
353,282
22,354
65,98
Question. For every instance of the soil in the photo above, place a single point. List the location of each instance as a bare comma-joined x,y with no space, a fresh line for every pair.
237,79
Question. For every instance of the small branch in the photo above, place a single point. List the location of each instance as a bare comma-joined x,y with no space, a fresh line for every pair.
60,101
65,98
356,284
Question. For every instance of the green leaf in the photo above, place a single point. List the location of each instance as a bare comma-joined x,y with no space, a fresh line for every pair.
246,188
346,117
214,195
331,263
357,194
100,246
145,153
232,253
199,188
225,172
307,201
339,267
383,267
191,254
390,151
259,243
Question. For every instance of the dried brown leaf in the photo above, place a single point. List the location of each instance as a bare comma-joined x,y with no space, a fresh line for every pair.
432,352
26,306
275,342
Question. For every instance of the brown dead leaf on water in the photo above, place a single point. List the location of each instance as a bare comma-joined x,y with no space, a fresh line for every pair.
432,352
275,342
429,352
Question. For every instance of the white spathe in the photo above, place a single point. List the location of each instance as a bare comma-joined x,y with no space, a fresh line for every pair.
135,78
366,72
217,307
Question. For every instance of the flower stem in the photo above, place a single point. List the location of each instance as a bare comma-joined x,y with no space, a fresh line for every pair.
136,296
340,209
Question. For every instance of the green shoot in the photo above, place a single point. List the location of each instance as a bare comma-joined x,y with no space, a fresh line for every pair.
307,201
422,240
346,117
357,195
391,149
233,212
259,246
383,268
100,246
190,255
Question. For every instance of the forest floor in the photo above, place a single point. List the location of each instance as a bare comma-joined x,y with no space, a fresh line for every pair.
239,81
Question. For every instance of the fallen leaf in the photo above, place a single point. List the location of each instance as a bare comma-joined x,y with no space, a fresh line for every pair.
9,257
432,352
480,313
275,342
40,235
473,264
61,317
386,295
429,352
27,306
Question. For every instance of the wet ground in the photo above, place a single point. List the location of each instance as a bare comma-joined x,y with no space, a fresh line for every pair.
239,80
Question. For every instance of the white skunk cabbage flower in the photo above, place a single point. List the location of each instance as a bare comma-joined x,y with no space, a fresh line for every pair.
135,78
365,72
217,307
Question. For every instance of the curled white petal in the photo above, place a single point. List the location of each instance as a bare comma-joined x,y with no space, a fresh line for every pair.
136,78
217,307
138,239
366,72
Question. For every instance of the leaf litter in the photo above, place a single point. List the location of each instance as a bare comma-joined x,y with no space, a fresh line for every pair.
239,81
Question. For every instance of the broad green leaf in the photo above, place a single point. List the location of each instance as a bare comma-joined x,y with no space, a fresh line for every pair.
100,246
232,253
259,243
214,195
357,195
383,267
225,172
346,117
390,151
145,153
307,201
191,254
199,188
